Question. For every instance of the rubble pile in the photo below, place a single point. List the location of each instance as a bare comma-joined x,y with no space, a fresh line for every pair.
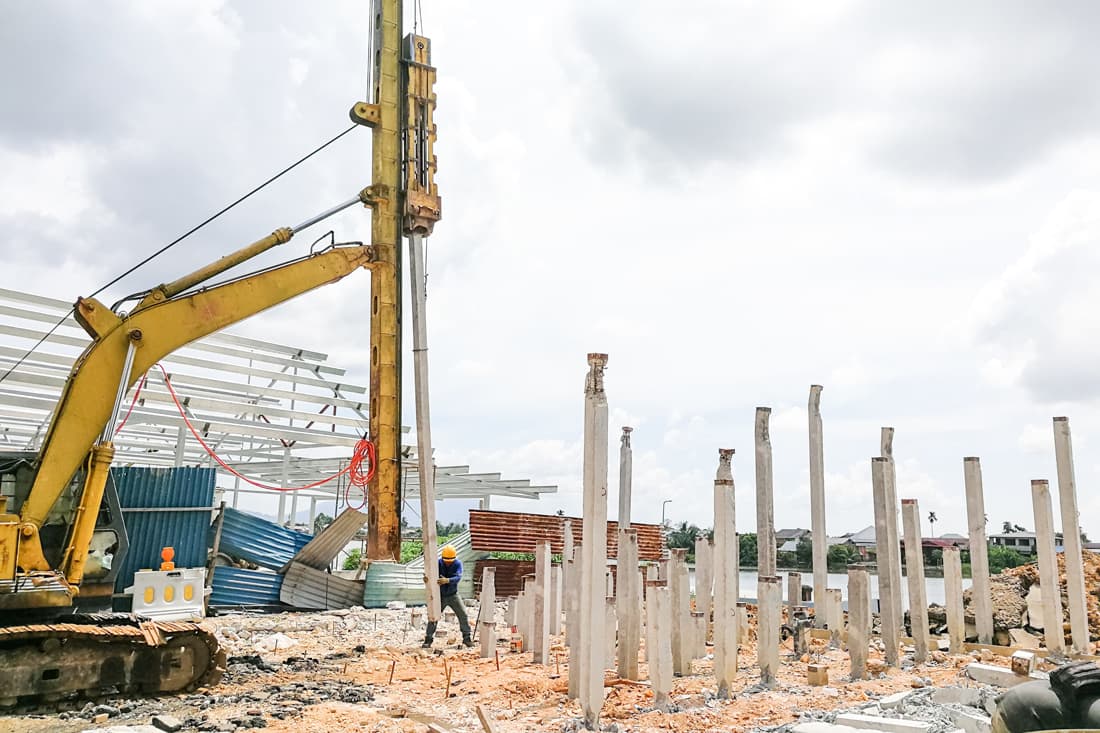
1017,603
928,710
1029,574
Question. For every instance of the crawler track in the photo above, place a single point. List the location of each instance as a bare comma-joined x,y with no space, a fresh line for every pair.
85,655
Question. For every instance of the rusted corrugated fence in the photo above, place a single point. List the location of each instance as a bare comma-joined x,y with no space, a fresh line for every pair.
520,532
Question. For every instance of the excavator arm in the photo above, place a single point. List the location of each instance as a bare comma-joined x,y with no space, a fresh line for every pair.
124,348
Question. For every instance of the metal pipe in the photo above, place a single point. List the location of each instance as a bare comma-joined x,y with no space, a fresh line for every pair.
279,236
326,214
120,394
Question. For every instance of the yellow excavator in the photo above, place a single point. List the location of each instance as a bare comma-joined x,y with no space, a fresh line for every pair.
58,511
55,639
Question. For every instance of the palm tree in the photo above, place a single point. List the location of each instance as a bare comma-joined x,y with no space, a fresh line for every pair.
932,523
683,535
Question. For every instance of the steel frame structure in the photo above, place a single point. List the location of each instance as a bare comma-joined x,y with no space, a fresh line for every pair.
280,414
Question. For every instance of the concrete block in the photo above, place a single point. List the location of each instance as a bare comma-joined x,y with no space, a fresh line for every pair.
817,674
1035,607
819,727
1022,639
1023,662
892,701
988,674
889,725
972,721
957,696
168,723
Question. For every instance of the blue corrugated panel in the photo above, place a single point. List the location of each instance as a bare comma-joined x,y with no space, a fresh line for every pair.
190,490
235,587
247,537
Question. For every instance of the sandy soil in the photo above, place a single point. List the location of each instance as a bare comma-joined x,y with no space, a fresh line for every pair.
363,670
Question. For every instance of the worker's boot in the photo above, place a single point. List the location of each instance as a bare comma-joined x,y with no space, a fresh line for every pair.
429,635
467,642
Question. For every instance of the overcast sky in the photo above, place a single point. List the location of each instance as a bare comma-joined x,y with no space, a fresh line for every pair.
734,200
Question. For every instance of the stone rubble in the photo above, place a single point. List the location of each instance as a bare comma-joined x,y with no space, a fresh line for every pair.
930,710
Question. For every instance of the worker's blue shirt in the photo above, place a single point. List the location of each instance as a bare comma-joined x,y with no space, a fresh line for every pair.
453,571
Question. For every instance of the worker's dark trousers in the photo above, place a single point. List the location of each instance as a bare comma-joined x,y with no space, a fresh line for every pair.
455,604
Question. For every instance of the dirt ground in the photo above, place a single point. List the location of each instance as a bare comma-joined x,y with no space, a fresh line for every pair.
364,670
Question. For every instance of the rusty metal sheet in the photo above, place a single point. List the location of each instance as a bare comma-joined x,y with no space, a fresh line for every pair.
520,532
509,576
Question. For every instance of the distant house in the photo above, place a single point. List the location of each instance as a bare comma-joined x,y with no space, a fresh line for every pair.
1092,546
863,541
786,540
1021,542
866,542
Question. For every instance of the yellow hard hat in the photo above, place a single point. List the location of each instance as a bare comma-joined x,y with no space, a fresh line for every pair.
448,553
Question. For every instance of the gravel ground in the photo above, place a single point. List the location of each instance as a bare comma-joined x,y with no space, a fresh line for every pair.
364,670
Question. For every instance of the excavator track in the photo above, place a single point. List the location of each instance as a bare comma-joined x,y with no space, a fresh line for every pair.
85,656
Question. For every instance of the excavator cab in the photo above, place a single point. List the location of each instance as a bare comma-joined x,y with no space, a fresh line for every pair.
109,542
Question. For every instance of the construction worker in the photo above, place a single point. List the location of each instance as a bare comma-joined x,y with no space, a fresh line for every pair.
450,574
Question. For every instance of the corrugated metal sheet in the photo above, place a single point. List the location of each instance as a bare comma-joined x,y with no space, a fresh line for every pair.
237,587
520,532
509,575
319,551
306,587
184,498
464,550
390,581
257,540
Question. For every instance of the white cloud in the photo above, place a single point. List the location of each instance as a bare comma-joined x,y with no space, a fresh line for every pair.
1036,439
1036,316
729,238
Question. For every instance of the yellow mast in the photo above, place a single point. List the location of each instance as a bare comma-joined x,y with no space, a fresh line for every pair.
384,492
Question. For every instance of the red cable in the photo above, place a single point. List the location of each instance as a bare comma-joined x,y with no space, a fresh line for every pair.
133,402
356,476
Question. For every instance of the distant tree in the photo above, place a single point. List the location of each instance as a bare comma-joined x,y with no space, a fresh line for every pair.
682,536
840,556
1001,558
804,554
320,522
747,549
351,562
449,530
1006,528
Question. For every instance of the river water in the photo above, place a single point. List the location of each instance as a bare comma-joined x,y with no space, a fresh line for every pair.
933,586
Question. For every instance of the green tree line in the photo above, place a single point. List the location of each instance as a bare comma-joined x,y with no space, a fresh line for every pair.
683,536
